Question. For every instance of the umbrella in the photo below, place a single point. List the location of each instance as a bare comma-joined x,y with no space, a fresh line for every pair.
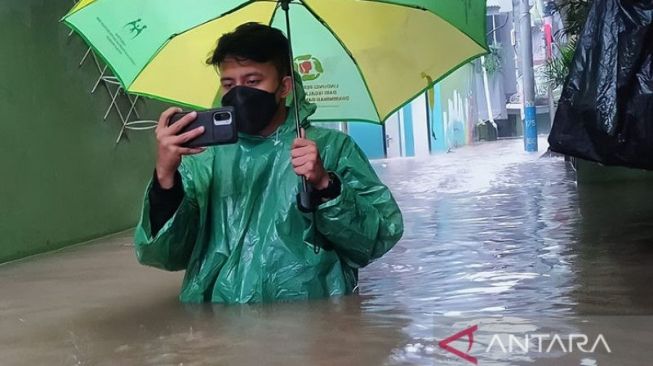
359,60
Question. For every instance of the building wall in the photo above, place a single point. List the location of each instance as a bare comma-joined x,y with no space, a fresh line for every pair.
452,116
419,113
448,122
64,180
369,137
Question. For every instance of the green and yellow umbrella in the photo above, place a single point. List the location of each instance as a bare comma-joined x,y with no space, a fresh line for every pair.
360,60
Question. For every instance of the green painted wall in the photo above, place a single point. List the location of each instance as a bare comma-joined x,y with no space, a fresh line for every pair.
592,173
63,179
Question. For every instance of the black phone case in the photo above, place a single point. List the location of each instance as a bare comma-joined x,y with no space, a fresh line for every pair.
217,131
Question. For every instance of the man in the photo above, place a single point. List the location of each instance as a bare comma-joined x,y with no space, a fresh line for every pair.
228,214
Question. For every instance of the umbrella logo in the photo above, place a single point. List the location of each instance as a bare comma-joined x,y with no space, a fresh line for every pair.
309,67
135,27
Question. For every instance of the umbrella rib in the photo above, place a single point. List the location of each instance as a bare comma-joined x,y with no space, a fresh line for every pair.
351,56
168,100
274,13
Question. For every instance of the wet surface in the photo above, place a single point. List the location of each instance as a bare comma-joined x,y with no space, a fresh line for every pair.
494,237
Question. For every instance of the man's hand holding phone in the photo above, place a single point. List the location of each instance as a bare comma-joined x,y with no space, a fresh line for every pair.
169,145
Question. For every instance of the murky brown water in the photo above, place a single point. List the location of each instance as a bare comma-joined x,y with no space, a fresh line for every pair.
494,237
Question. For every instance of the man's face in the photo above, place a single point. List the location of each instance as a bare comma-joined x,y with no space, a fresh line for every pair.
263,76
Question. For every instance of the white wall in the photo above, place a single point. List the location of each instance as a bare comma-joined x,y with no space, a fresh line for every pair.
420,127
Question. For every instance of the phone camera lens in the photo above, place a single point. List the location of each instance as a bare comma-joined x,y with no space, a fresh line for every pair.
222,116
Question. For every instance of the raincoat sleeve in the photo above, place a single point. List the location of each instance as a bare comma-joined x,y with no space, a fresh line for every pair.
171,247
364,222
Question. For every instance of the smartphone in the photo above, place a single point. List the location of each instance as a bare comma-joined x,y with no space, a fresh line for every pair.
219,127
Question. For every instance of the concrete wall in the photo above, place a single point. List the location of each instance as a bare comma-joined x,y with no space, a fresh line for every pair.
63,178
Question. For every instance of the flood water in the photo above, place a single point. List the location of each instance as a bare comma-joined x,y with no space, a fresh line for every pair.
495,238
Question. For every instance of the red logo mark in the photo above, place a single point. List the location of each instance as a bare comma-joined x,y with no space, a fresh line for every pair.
306,67
469,332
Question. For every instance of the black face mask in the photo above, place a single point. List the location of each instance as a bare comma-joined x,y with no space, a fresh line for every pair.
255,108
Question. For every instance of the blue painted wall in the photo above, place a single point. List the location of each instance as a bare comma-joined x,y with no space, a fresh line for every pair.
409,135
369,137
438,138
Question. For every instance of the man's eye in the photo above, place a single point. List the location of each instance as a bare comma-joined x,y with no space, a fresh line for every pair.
227,85
253,82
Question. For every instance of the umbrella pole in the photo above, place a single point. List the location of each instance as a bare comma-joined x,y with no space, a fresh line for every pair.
304,198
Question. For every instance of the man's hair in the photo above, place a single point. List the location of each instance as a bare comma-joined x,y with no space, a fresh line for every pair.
255,42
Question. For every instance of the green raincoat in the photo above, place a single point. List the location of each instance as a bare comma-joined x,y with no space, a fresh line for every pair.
241,238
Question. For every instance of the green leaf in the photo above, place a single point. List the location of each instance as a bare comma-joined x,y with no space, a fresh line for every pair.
303,58
318,65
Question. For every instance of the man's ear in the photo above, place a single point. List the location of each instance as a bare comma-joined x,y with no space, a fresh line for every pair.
286,86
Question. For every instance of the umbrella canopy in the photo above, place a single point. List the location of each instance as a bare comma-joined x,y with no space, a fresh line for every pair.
359,60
